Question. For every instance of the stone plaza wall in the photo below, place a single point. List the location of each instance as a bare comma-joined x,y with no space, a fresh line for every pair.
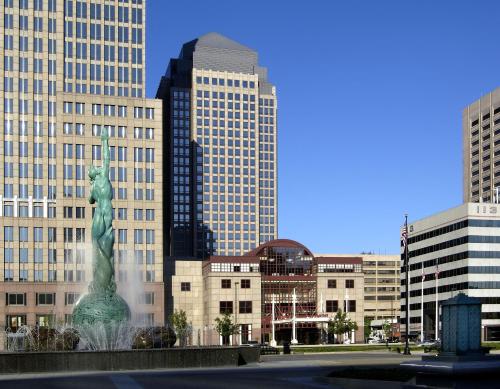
36,362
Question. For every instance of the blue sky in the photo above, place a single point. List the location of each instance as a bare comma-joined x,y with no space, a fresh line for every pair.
370,102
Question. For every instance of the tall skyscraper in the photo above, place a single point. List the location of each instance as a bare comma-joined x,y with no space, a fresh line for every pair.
69,69
220,150
481,148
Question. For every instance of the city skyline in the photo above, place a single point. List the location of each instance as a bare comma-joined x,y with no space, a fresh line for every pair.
424,77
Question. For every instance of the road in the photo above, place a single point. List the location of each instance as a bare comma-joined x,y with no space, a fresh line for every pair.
276,371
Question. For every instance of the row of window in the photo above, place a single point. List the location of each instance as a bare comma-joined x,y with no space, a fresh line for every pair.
37,4
108,110
107,11
69,129
80,51
227,307
349,284
70,275
337,267
109,90
70,298
226,284
222,82
234,267
139,234
332,306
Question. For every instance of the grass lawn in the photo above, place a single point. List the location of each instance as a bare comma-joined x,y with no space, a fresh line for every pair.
338,348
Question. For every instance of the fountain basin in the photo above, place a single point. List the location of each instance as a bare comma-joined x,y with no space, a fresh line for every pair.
67,361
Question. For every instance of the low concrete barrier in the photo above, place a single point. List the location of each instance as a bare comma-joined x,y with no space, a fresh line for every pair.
36,362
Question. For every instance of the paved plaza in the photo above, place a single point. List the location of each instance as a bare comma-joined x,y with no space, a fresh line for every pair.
280,371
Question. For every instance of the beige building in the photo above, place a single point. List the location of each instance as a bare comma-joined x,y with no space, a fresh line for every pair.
276,276
481,148
381,285
340,285
71,68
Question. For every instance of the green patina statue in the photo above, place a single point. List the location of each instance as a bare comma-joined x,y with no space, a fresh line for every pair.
101,304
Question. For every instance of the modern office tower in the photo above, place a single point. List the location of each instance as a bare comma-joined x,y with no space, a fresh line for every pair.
481,149
461,246
220,148
69,69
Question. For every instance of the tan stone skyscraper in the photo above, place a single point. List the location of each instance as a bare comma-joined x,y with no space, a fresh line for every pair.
69,68
481,148
221,136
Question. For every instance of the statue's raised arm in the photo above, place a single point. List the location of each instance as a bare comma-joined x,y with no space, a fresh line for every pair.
105,151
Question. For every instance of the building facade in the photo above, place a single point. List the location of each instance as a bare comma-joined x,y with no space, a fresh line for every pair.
481,148
382,285
220,142
69,69
460,247
280,276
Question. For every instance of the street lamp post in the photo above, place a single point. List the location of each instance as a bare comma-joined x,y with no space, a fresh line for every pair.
407,273
236,308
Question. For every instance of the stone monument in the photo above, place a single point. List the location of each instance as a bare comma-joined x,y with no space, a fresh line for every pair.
462,362
102,305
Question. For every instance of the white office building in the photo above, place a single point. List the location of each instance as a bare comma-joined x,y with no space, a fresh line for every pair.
462,246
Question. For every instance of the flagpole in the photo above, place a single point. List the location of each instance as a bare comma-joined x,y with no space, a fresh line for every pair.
422,306
407,305
437,302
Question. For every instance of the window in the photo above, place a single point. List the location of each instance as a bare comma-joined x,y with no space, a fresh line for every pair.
245,284
16,298
349,284
185,286
150,236
138,236
332,305
150,214
80,212
38,234
68,212
8,234
122,236
226,284
68,107
226,307
147,298
245,307
71,298
45,299
332,283
351,306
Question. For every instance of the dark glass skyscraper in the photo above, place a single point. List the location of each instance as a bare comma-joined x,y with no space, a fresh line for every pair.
220,150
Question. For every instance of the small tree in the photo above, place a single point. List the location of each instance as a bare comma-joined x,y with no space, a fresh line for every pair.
225,327
367,327
341,324
387,329
181,326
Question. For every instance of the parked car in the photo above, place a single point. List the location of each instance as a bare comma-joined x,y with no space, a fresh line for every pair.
431,345
251,343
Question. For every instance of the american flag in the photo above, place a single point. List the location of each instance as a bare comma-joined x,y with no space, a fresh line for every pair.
423,275
404,237
437,271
